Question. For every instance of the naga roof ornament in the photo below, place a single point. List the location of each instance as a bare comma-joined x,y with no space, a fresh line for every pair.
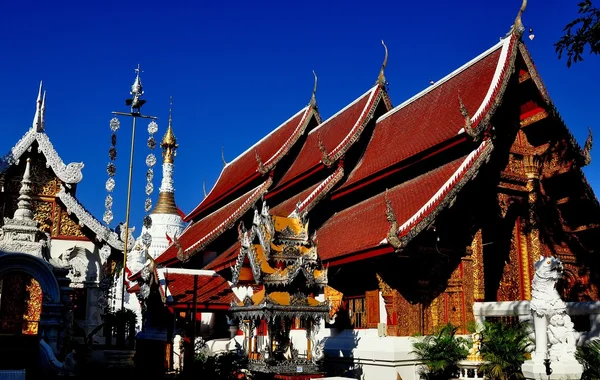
313,98
223,156
468,122
587,148
392,236
518,28
381,79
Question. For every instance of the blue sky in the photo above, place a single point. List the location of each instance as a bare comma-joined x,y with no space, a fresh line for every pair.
237,69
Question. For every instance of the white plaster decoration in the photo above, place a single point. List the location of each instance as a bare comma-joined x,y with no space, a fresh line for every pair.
69,174
104,253
166,185
104,233
83,267
545,299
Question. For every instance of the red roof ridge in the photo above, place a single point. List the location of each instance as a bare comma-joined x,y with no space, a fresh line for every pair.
429,210
250,149
371,90
252,197
250,200
267,164
320,191
445,79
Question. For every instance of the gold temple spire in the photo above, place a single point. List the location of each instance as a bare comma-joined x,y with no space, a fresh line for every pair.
166,196
169,142
381,79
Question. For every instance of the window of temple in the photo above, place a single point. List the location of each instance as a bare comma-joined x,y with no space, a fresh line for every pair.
357,312
21,305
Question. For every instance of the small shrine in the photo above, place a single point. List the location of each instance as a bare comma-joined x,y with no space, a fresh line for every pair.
281,280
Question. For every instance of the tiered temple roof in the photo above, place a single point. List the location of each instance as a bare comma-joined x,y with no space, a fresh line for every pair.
372,178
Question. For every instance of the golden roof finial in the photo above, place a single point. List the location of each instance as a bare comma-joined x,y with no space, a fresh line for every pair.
381,79
169,142
518,25
313,99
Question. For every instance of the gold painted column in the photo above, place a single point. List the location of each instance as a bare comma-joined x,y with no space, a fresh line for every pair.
532,165
476,251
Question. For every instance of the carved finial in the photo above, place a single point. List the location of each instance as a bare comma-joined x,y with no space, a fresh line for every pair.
137,90
261,167
313,98
24,209
468,124
390,215
518,27
587,148
181,255
37,118
381,79
204,187
327,161
223,156
43,114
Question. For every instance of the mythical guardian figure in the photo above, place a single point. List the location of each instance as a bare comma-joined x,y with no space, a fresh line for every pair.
545,300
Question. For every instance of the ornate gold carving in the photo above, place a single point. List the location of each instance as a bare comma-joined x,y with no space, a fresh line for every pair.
68,227
515,165
56,220
525,262
509,289
385,289
532,164
335,299
534,118
33,312
42,213
478,274
504,203
44,180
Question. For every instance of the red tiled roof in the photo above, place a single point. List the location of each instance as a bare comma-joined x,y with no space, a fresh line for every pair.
225,259
245,167
429,118
337,134
212,291
201,233
364,225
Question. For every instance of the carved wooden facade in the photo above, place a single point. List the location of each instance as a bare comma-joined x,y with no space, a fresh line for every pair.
48,210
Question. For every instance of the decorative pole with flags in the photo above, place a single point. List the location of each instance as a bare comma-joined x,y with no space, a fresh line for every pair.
135,103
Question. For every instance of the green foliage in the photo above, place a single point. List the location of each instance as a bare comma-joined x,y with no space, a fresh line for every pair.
579,33
504,347
589,357
440,352
223,366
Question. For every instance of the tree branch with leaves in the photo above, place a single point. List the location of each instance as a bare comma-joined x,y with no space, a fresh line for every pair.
580,34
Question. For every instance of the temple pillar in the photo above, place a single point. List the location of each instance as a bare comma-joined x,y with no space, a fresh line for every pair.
532,164
476,254
308,339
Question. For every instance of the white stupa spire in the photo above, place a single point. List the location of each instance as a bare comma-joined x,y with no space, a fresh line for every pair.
24,209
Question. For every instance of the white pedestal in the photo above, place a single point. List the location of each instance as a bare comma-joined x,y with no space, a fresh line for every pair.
560,370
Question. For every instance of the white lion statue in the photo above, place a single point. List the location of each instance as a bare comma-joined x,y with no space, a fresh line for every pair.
545,300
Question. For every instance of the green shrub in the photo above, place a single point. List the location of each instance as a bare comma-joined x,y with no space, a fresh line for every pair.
440,352
504,347
589,357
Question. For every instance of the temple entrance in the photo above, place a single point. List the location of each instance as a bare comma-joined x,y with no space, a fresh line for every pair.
20,312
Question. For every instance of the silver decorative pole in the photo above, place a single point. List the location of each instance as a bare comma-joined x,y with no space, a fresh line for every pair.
136,103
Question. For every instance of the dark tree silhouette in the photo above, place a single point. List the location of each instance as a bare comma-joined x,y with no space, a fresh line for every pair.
580,33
